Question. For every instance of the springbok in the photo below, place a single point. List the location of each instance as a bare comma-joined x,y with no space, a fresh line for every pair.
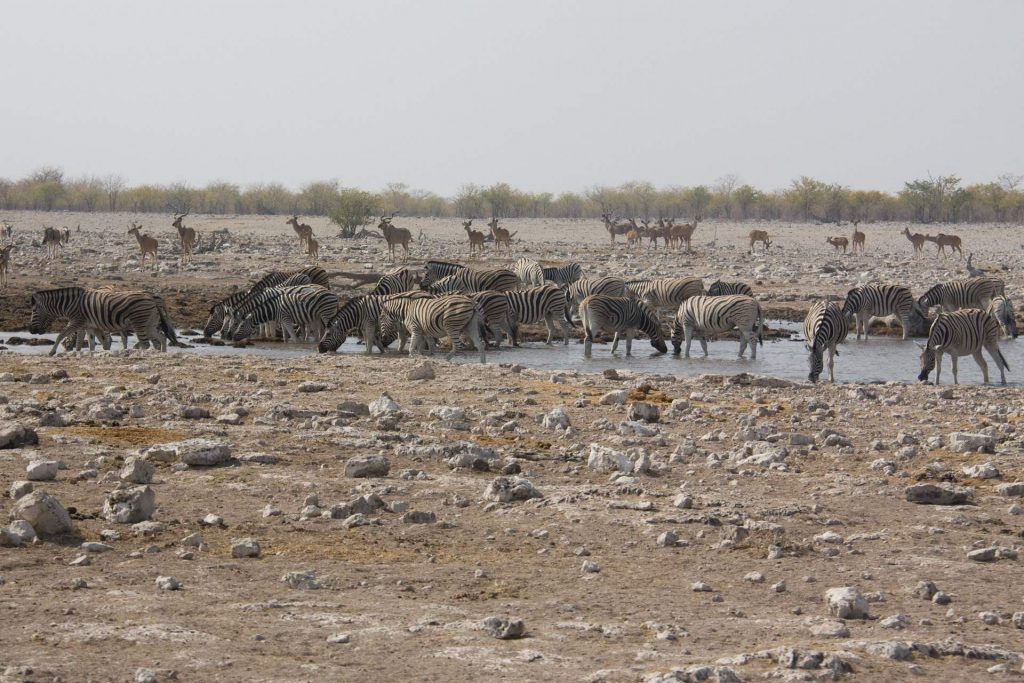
147,244
501,235
759,236
394,235
476,238
301,229
51,240
858,239
916,238
838,243
187,237
5,264
943,241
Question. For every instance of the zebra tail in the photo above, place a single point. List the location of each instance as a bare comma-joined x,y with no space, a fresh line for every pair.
1002,359
168,329
760,325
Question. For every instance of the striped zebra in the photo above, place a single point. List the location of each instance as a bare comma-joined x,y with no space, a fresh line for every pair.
435,270
878,301
962,333
584,287
220,311
530,306
975,292
716,314
468,281
310,306
563,276
824,328
165,322
665,292
496,315
362,313
1003,311
396,281
392,326
621,315
448,316
529,272
719,288
98,312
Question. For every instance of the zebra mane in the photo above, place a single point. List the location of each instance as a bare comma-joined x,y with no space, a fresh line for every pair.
61,290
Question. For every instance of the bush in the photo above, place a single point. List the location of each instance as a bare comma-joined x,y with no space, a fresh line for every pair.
353,209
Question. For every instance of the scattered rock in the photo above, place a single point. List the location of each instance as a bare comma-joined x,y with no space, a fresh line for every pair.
984,471
168,583
302,580
590,567
16,435
967,442
1011,490
339,639
311,387
130,505
846,603
421,371
46,515
419,517
614,398
558,418
939,494
383,406
668,539
700,587
830,629
644,412
20,488
992,554
42,470
506,490
925,590
137,471
367,466
245,547
504,628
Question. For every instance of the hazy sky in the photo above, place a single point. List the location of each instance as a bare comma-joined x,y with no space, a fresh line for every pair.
546,95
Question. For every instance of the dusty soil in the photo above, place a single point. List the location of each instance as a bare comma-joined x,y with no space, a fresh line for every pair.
412,597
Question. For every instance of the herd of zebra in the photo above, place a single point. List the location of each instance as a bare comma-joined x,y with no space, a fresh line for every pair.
484,306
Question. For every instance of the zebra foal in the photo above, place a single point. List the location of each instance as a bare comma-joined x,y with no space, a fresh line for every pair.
962,333
715,314
824,328
623,316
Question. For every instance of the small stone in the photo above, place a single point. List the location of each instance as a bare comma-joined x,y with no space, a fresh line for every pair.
245,547
80,561
831,629
983,554
508,489
754,577
271,511
668,539
984,471
137,471
421,371
846,603
925,590
194,452
93,547
941,598
896,621
966,442
339,639
779,587
1017,619
939,494
504,628
644,412
20,488
614,398
355,520
990,618
212,520
193,541
16,435
167,583
1011,490
558,418
302,580
590,567
311,387
700,587
383,406
42,470
127,506
419,517
22,530
367,466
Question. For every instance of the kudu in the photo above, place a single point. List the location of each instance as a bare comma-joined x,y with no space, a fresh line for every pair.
303,231
683,234
476,238
614,227
858,239
838,243
759,236
943,241
187,237
916,239
52,242
501,235
393,235
5,264
147,245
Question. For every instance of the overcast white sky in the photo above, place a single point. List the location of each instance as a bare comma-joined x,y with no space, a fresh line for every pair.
546,95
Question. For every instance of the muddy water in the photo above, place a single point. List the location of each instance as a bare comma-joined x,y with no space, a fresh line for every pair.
879,359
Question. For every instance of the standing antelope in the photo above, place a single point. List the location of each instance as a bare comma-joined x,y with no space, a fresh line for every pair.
476,238
51,240
65,235
187,236
313,249
393,235
501,235
858,239
613,226
916,239
5,264
682,234
7,231
943,241
147,244
301,229
838,243
759,236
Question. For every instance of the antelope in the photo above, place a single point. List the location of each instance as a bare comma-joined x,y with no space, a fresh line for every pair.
838,243
147,244
858,239
65,235
313,248
501,235
916,238
394,235
301,229
5,264
943,241
476,238
684,233
613,226
51,240
7,231
632,237
187,236
759,236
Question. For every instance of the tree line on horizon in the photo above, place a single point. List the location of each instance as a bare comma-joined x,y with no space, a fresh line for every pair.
925,200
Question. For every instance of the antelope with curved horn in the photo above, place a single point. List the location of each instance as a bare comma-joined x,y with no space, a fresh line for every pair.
147,244
394,236
303,231
501,235
187,236
476,238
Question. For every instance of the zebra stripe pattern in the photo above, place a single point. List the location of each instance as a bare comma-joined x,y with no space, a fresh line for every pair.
497,319
716,314
824,327
220,312
975,292
666,292
311,306
1003,311
529,306
584,287
719,288
435,270
878,301
98,312
620,315
529,272
361,313
469,280
962,333
449,316
395,282
563,276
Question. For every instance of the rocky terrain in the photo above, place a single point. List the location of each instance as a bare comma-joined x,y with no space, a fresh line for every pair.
343,517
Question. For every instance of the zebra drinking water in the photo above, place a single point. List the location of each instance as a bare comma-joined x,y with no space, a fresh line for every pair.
448,316
824,327
1003,311
584,287
310,306
962,333
621,315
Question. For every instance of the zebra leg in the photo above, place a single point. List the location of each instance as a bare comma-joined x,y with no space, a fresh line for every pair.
615,342
832,363
368,338
60,337
938,365
414,344
906,324
629,343
588,341
980,360
997,358
688,332
704,345
474,335
566,328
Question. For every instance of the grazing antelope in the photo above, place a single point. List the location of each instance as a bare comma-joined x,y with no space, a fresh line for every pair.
313,249
147,244
393,235
943,241
501,235
759,236
5,264
916,239
51,240
838,243
65,235
187,236
301,229
858,239
476,238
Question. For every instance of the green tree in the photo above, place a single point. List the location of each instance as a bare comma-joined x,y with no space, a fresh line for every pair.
353,209
318,198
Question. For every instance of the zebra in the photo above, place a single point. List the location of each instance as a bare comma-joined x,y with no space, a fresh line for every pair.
621,315
975,292
99,312
392,326
665,292
528,306
563,276
435,270
469,280
529,272
219,317
824,327
719,288
1003,311
166,325
878,301
715,314
362,313
962,333
448,316
309,305
496,315
584,287
396,281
